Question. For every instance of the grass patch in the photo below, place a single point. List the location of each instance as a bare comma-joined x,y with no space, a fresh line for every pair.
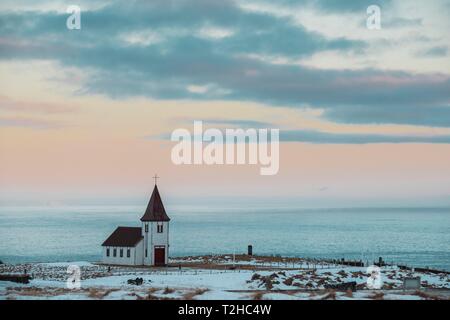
331,295
377,296
168,290
257,296
197,292
349,293
426,296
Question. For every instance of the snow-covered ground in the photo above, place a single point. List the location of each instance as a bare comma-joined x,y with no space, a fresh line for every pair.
213,277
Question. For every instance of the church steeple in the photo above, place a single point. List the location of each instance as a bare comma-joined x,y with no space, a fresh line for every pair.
155,209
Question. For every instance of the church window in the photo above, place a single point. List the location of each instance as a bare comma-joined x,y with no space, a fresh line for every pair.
121,253
146,253
146,227
107,252
114,252
160,228
128,253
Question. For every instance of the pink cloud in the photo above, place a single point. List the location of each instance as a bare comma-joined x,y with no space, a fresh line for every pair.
8,104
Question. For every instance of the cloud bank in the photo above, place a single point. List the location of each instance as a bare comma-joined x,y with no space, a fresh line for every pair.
219,50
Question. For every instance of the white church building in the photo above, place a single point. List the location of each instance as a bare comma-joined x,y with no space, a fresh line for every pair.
146,245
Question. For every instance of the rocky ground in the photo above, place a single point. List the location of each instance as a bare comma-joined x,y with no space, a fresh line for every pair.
218,277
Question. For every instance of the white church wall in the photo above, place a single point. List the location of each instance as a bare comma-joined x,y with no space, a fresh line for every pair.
139,253
124,260
146,244
160,238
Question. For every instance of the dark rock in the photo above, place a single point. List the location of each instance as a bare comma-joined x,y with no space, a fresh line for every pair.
256,276
137,281
342,286
15,278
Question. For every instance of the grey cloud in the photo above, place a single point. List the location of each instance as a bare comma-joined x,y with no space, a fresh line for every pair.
438,51
434,116
320,137
400,22
354,5
339,5
340,138
164,69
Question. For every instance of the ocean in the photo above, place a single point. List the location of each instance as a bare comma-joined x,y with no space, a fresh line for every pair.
416,237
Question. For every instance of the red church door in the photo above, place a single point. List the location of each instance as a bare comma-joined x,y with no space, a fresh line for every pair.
160,256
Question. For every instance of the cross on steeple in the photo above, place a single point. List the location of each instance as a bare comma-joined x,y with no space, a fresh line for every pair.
156,178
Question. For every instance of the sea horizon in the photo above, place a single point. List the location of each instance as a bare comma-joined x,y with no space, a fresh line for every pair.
413,236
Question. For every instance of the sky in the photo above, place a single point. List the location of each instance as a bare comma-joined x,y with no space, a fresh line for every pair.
364,115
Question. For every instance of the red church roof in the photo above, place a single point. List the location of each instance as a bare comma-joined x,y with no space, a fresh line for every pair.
124,237
155,209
